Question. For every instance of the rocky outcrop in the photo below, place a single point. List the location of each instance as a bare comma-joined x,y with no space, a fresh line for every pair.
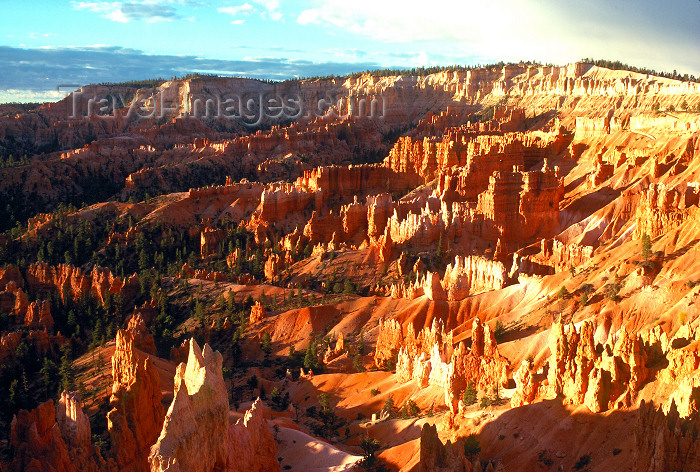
273,265
389,341
336,351
251,445
473,274
664,441
518,205
525,386
210,241
196,434
432,360
448,457
379,209
75,430
601,377
202,274
39,316
13,300
136,417
195,431
73,282
257,313
661,209
39,443
468,275
142,338
11,274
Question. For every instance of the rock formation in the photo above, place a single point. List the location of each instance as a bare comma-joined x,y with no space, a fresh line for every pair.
472,274
41,443
448,457
432,360
72,281
662,209
584,374
196,434
37,441
665,441
257,313
251,445
136,417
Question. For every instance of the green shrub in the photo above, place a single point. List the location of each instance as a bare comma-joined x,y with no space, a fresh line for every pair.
646,246
472,448
469,396
389,406
499,331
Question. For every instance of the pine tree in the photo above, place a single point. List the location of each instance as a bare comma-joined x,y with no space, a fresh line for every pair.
646,247
311,356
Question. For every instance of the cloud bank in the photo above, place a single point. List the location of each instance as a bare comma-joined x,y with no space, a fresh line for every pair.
37,72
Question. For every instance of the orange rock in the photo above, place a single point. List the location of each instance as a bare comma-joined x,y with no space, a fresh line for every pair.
665,441
75,430
210,241
272,266
251,445
136,417
39,315
37,442
525,386
196,434
432,360
71,281
257,313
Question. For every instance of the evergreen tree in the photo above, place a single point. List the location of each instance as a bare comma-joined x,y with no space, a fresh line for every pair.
646,247
311,357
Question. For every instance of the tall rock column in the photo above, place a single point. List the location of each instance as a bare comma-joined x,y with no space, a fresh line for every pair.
196,434
137,414
196,426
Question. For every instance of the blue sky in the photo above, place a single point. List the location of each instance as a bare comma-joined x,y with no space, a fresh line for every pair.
46,43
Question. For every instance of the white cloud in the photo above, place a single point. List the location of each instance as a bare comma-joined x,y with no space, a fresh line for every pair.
271,9
546,30
122,12
237,22
19,95
40,35
245,9
117,15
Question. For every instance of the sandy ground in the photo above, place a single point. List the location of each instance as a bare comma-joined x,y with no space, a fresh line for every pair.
305,453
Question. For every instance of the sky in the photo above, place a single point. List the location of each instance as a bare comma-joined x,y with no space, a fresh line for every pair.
48,47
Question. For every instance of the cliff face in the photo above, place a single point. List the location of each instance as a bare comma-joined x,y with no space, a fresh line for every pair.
664,441
583,374
448,457
432,360
473,274
136,417
54,439
519,205
606,370
661,209
196,434
200,399
463,159
37,440
72,281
